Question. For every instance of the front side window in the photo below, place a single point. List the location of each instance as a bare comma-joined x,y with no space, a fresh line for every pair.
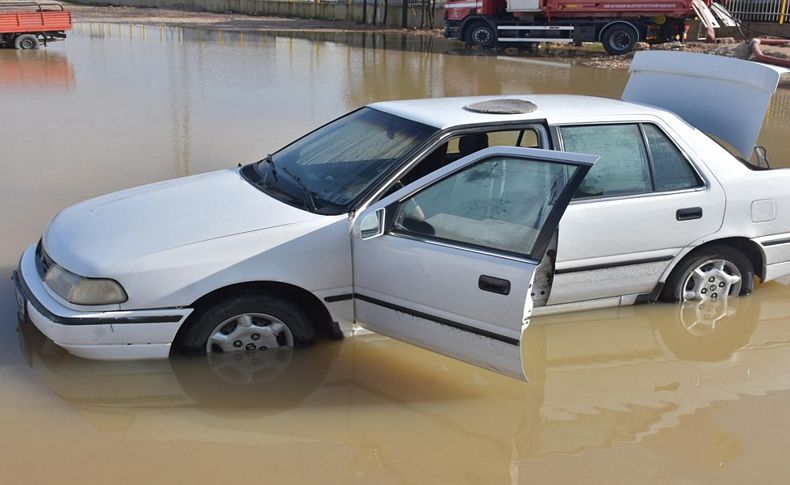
499,203
460,146
623,166
331,167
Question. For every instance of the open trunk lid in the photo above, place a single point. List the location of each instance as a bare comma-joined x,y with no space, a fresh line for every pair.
721,96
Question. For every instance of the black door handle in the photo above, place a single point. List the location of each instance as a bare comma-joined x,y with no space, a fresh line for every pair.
689,213
494,285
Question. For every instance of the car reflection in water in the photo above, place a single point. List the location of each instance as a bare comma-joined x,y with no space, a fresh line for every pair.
596,378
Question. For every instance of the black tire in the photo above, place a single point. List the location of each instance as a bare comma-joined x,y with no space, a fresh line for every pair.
481,34
674,287
26,41
193,335
620,38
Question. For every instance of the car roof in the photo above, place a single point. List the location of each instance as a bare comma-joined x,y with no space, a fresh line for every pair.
554,108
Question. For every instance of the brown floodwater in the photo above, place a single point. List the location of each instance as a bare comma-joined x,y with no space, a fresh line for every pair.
645,394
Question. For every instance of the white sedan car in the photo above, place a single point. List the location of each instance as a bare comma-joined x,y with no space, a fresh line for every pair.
441,222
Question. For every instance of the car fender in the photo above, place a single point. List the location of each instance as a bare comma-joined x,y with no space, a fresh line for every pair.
314,255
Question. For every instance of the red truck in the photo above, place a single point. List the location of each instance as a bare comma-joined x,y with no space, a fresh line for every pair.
617,24
25,25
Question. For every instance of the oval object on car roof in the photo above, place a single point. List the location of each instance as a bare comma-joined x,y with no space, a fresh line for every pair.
506,106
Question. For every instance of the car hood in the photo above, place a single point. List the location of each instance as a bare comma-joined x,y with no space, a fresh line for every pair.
124,225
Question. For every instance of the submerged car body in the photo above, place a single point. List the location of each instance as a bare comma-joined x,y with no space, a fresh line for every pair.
441,222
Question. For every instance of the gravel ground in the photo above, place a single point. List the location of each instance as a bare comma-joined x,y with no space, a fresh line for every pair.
726,47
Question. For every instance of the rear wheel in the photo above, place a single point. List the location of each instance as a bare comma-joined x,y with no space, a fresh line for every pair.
711,273
26,41
245,322
481,34
619,38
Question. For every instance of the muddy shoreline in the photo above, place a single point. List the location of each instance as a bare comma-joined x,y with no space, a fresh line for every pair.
591,55
222,21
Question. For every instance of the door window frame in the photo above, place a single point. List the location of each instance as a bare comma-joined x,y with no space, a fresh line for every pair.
555,131
541,241
540,126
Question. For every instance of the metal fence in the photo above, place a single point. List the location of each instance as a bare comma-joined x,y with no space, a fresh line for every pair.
759,10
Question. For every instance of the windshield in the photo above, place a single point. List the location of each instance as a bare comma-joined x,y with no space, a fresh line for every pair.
331,167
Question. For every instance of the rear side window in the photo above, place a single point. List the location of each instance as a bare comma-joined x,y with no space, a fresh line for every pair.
672,171
623,166
634,159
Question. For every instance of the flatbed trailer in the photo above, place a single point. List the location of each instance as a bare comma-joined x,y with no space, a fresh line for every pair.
617,24
26,25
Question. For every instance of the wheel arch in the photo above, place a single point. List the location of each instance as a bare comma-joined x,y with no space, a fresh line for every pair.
749,248
316,310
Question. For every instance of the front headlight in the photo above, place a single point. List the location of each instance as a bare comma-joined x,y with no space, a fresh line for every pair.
83,291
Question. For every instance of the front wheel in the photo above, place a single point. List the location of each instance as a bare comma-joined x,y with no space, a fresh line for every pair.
712,273
245,322
619,38
26,41
481,34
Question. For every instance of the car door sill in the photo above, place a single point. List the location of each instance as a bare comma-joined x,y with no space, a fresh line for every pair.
576,306
439,320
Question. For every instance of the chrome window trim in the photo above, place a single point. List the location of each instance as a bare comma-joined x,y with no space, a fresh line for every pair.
459,246
705,182
589,200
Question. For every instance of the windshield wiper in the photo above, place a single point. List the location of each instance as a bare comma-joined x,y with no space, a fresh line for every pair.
308,195
272,167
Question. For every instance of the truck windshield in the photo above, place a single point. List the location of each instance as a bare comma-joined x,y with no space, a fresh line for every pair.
329,168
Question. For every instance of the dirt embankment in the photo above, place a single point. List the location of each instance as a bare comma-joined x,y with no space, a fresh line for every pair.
219,21
725,47
594,55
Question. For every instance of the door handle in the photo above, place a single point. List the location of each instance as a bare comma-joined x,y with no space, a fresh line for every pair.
689,213
494,285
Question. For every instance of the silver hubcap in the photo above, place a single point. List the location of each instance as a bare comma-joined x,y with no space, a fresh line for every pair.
249,331
711,280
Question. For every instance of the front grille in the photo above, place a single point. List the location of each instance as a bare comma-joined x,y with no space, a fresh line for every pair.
43,261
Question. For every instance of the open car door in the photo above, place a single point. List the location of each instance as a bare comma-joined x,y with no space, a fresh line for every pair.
447,262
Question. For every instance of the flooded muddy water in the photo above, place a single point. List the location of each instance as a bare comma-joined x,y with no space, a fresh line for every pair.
645,394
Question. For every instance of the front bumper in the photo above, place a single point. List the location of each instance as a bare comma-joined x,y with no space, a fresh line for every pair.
105,335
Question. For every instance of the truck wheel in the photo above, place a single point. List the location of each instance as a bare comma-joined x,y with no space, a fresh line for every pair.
619,38
26,41
481,34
